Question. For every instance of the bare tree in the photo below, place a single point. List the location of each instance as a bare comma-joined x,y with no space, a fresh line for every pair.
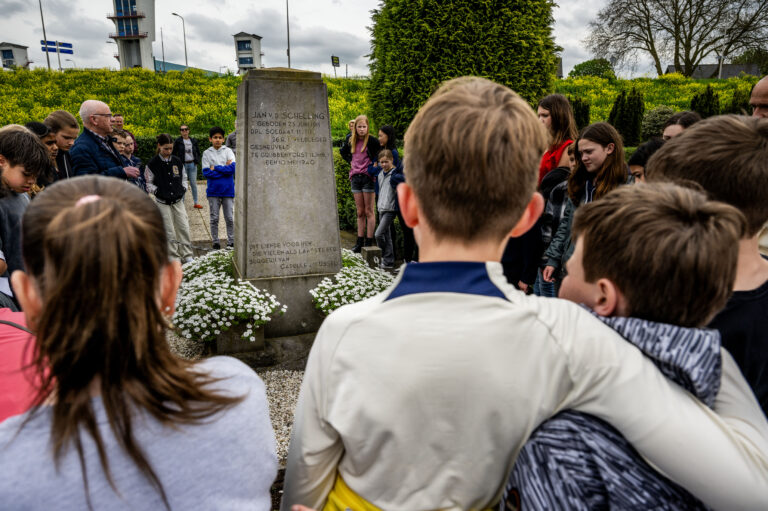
685,31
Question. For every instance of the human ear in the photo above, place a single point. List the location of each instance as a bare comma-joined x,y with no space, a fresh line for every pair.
28,297
608,298
409,205
529,217
169,286
610,148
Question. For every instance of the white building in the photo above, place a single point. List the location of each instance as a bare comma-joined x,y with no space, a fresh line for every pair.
134,32
247,51
14,55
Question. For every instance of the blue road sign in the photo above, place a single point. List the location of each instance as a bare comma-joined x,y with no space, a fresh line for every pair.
65,45
49,43
69,52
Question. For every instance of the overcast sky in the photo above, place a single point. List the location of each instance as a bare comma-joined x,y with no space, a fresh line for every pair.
319,29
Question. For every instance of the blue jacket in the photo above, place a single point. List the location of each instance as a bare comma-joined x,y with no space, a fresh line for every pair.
221,180
90,156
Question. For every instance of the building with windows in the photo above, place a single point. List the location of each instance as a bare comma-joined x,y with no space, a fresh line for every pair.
247,51
134,32
14,55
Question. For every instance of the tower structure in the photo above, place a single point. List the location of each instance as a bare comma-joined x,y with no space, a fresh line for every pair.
248,51
134,32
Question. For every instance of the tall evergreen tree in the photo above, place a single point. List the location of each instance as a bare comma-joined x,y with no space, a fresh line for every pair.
418,44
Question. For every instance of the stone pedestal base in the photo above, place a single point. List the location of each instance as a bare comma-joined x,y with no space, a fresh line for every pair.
301,317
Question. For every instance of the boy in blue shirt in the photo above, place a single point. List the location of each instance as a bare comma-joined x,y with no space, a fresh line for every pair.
219,169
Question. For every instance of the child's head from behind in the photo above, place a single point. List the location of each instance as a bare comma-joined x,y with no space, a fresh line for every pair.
728,157
165,145
216,135
472,154
658,252
22,158
385,160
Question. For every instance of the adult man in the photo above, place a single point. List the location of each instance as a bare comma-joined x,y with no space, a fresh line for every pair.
186,149
758,100
93,152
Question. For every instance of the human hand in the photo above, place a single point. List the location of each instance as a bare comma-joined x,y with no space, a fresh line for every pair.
229,162
131,172
548,274
211,166
522,286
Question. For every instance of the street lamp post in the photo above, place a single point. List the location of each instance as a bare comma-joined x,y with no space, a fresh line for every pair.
288,33
45,37
73,62
184,29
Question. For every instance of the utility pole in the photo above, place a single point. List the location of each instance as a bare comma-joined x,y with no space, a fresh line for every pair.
184,29
58,54
162,47
45,37
288,32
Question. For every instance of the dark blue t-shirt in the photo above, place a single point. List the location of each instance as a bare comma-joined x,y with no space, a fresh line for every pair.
743,325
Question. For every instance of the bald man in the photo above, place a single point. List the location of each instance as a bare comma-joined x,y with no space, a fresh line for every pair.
759,98
93,152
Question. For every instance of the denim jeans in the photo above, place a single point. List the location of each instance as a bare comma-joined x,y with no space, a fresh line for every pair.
543,288
191,170
384,238
227,204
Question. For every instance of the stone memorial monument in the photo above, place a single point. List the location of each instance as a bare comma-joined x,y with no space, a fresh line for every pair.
286,221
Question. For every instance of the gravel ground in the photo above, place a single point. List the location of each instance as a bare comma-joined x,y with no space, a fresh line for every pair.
282,391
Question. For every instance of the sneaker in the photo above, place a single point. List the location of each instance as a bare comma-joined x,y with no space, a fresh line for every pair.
385,267
198,206
189,260
216,246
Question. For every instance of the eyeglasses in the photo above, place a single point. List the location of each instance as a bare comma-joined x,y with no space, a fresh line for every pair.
184,129
104,115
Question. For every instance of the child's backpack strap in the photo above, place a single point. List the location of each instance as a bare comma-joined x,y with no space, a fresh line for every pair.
16,325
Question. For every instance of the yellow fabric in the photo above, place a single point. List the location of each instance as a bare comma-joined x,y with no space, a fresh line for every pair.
342,497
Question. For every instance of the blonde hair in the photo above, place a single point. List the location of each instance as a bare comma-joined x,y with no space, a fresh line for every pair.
353,140
472,156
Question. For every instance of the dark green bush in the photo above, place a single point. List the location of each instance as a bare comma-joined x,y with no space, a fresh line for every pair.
595,67
345,202
706,103
418,44
739,104
653,121
627,115
580,111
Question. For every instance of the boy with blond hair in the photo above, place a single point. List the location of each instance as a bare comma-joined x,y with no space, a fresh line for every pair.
728,157
655,263
430,411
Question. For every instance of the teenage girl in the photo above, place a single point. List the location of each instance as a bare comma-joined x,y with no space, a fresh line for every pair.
66,129
119,421
557,116
362,151
600,169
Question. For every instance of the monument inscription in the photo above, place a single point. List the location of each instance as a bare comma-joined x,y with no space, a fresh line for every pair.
286,223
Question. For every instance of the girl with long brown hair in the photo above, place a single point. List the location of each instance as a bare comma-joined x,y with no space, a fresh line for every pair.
600,168
556,114
120,422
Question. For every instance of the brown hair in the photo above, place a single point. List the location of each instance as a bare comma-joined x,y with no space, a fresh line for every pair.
114,331
385,153
472,157
20,146
611,175
727,156
670,250
561,115
685,119
353,139
60,119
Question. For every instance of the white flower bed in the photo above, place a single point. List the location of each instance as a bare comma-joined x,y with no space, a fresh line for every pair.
211,301
355,282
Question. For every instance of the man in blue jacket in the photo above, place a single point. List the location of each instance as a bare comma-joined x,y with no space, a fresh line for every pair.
93,152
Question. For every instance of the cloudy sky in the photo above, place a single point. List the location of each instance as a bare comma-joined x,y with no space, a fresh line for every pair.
319,29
